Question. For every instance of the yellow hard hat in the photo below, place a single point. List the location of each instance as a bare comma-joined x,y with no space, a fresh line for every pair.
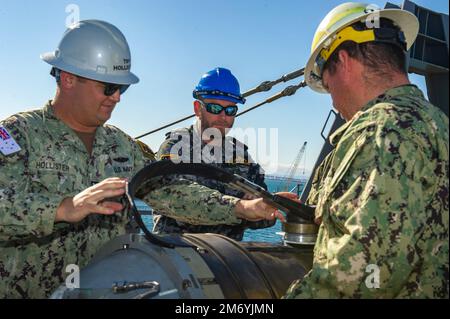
336,28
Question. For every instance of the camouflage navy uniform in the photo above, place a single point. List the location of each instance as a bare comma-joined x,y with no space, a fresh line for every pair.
53,164
239,162
382,195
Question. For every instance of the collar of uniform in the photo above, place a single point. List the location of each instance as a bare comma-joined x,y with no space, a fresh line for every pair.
49,113
408,89
66,133
197,129
59,129
336,136
228,140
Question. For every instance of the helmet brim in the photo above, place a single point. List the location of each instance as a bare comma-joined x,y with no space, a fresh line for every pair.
405,20
52,59
225,98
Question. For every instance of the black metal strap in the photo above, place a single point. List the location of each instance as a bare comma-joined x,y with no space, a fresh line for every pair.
163,168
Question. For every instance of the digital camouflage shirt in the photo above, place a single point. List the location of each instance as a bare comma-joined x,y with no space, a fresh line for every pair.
382,195
53,164
186,146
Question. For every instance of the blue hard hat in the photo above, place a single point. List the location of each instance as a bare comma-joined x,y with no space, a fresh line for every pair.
219,84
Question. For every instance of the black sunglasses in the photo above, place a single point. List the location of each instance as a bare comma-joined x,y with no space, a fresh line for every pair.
216,109
110,88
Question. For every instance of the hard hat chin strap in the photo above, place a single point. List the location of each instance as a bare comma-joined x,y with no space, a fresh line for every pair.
56,73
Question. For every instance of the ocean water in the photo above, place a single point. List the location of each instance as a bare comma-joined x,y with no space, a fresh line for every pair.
270,234
279,185
259,235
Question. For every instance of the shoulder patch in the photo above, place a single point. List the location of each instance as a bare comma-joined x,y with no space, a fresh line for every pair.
146,150
7,143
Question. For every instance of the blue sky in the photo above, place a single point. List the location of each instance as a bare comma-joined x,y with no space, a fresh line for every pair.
173,42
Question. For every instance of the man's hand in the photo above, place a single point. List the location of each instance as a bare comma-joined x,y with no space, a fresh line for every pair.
317,220
91,201
257,209
289,195
249,196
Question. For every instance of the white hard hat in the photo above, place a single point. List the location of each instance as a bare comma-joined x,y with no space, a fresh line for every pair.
95,50
333,30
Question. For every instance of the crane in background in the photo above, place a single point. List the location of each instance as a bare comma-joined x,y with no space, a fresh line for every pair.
294,167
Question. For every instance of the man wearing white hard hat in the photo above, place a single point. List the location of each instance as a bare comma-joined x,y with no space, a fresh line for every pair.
61,165
382,193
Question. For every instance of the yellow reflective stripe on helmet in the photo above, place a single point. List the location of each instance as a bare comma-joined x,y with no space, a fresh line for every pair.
346,34
344,14
333,20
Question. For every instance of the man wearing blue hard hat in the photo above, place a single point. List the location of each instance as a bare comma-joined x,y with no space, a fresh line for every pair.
216,97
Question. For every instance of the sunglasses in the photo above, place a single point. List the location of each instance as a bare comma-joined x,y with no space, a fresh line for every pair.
110,88
216,109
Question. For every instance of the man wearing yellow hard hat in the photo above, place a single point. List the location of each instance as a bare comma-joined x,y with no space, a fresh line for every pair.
382,196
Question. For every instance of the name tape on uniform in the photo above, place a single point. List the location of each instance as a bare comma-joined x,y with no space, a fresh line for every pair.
7,143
